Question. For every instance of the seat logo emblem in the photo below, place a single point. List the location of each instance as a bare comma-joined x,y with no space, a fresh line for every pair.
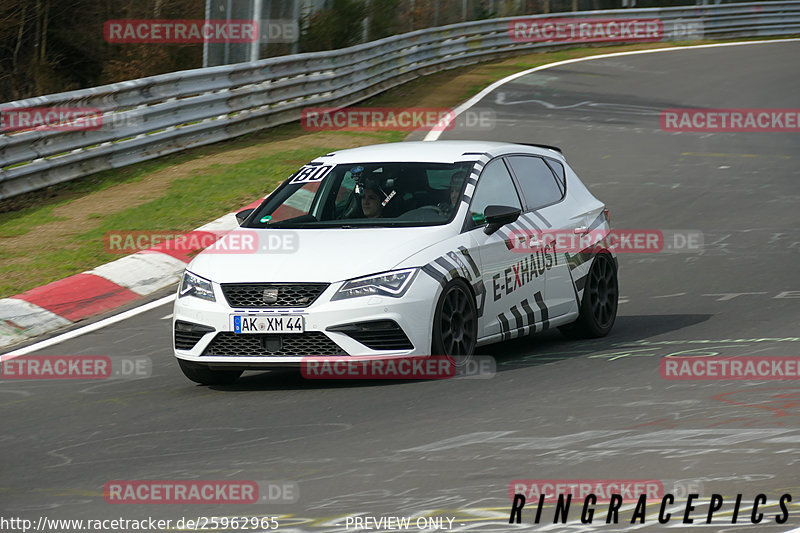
270,295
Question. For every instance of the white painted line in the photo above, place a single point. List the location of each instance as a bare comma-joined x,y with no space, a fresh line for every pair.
88,329
437,130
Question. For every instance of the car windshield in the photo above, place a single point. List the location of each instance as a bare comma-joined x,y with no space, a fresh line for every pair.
364,195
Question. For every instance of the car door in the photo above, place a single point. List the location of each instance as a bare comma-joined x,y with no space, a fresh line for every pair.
514,286
543,187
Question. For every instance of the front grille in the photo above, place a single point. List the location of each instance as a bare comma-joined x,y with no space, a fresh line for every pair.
187,334
377,334
227,343
252,295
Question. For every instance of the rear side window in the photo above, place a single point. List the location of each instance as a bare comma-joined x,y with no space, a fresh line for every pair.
539,184
558,168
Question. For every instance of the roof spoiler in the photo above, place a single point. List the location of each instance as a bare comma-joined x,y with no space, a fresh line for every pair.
549,147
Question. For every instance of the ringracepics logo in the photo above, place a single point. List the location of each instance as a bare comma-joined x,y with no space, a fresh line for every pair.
181,31
730,120
393,119
148,491
644,501
584,30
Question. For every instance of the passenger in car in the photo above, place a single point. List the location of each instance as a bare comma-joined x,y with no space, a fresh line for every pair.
371,202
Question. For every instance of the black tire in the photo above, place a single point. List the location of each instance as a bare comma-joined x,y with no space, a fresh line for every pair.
205,376
599,304
455,321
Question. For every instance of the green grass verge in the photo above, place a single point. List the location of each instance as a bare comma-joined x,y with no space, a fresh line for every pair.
188,203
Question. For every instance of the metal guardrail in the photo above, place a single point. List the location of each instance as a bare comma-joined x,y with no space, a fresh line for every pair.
150,117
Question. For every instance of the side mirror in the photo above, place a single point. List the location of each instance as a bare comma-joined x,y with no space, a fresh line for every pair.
498,216
242,215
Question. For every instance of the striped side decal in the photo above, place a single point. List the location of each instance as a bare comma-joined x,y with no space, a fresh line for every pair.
579,265
505,334
445,268
470,260
580,283
519,323
598,221
544,220
576,260
531,327
581,275
435,274
450,269
526,218
542,309
522,225
472,179
477,282
523,324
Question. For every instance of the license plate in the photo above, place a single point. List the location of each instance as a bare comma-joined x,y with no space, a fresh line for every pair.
267,324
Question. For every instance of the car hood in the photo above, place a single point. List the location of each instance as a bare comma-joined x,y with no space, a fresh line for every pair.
312,255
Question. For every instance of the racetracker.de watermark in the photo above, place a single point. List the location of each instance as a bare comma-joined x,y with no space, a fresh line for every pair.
585,30
756,509
394,119
150,491
730,120
76,367
13,120
149,523
406,367
240,241
551,489
279,31
50,119
162,31
730,368
574,241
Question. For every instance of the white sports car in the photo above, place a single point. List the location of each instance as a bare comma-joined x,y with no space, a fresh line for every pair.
399,249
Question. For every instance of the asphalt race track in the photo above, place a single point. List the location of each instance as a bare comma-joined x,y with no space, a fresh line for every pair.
556,409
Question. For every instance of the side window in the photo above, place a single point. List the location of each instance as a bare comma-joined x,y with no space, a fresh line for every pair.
495,187
539,184
558,169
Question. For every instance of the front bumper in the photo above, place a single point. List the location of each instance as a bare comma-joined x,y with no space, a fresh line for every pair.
211,328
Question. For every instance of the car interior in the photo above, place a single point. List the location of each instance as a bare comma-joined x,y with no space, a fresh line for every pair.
408,193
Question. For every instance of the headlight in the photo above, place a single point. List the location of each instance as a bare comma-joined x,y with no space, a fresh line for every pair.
394,284
192,285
